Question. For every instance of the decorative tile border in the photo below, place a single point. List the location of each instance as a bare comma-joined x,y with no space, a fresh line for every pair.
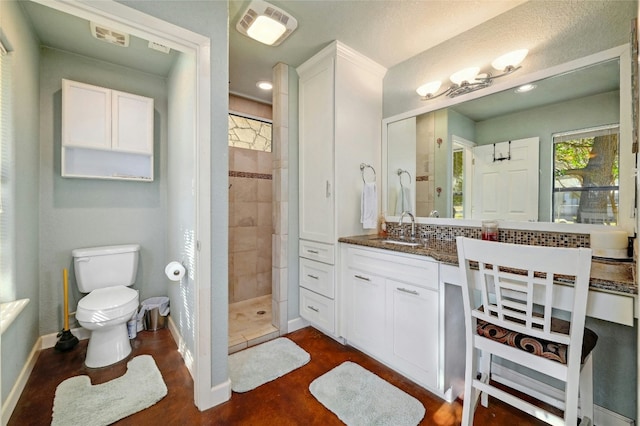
250,175
515,236
422,178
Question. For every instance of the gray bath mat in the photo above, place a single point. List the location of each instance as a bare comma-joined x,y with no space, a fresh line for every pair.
360,398
78,402
260,364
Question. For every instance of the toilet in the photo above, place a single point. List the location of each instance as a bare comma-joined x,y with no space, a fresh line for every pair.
106,274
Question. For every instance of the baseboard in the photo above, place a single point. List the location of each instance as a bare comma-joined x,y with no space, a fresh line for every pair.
296,324
551,395
50,340
13,397
183,350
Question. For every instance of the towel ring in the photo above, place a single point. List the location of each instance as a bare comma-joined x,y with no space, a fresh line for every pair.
363,166
400,173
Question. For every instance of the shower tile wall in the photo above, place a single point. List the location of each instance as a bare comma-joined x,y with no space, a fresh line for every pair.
250,223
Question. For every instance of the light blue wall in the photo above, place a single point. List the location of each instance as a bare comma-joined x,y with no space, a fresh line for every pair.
543,122
181,199
210,18
20,337
78,213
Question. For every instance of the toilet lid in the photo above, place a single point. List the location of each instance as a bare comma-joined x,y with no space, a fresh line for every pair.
107,299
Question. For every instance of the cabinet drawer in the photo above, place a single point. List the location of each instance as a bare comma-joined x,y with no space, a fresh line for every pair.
410,269
317,251
318,277
318,310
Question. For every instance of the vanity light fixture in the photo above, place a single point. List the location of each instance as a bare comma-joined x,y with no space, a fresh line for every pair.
468,80
266,23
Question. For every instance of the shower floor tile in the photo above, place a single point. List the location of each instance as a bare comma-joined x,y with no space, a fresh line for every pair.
250,323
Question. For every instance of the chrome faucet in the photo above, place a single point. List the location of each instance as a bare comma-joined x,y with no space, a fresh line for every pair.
434,213
413,224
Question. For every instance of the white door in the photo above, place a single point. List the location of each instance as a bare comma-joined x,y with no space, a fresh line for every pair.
316,154
505,180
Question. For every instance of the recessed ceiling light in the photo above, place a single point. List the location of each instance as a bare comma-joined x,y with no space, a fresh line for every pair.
525,88
266,23
264,85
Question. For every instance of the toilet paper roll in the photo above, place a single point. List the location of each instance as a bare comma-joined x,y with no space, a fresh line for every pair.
174,271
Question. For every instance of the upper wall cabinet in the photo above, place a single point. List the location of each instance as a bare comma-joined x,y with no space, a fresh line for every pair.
106,134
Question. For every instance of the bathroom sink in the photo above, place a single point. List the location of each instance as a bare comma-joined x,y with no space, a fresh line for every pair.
402,242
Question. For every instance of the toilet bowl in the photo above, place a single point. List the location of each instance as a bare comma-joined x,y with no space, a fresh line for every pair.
106,273
105,312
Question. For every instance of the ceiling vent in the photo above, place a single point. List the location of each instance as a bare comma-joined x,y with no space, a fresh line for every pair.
110,36
159,47
266,23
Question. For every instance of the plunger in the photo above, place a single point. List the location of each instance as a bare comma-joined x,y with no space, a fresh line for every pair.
67,340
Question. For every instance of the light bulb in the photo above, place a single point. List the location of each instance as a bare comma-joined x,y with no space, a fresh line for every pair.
467,74
428,89
511,59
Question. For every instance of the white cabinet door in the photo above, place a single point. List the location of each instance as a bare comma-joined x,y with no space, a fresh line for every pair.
316,153
86,115
506,180
366,307
132,123
413,329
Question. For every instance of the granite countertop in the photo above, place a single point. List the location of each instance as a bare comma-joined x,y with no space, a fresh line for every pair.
609,275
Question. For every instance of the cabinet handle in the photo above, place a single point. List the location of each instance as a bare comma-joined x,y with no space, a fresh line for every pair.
328,191
312,251
313,309
315,277
404,290
362,278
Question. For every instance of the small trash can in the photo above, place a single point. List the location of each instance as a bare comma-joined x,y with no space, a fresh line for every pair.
155,311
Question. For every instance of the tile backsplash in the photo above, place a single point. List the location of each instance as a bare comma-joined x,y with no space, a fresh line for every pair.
515,236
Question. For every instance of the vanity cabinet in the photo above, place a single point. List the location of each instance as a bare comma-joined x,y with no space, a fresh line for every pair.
106,134
392,310
340,110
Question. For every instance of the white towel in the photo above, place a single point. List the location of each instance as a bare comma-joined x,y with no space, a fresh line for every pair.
403,202
369,206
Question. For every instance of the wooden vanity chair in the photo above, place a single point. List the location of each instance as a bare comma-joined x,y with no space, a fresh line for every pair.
513,321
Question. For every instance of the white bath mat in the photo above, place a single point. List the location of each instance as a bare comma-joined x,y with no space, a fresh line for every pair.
78,402
359,397
260,364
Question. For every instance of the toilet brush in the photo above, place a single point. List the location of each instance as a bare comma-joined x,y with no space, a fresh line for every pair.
67,340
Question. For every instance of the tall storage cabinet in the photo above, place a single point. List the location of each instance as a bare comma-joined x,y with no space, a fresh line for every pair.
340,106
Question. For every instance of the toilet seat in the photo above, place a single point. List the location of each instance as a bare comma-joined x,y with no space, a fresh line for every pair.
108,303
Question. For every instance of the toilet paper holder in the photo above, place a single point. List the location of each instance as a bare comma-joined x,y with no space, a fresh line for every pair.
175,270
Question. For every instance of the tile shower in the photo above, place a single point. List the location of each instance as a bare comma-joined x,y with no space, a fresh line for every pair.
250,225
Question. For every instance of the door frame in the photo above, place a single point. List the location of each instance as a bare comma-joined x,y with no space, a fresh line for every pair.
132,21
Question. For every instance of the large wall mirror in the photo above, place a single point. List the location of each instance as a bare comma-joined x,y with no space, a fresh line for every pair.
560,153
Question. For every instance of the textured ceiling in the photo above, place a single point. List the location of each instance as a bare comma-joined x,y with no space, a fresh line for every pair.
387,31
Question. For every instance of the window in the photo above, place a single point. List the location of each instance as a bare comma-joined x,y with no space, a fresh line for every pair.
249,133
586,176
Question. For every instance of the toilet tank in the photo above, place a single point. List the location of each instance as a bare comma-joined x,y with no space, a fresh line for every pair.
99,267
